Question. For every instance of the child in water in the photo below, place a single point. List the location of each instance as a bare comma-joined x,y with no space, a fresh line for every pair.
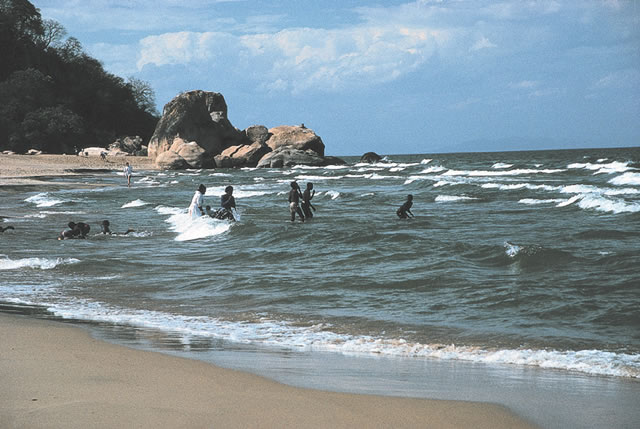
405,210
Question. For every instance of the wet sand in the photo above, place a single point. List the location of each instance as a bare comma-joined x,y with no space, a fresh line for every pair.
56,376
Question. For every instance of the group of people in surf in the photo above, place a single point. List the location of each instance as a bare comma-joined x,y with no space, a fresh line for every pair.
81,230
299,204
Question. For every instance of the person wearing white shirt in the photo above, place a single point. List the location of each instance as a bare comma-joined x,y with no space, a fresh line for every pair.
195,209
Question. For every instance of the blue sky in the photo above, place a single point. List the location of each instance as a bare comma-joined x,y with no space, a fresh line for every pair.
387,76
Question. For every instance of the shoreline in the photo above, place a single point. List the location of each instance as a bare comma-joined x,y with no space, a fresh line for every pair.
33,170
57,375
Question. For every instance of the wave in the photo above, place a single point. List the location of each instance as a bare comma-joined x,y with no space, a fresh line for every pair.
535,256
451,198
41,263
44,200
628,178
332,194
192,229
134,203
612,167
319,337
601,203
517,186
238,193
501,165
516,172
533,201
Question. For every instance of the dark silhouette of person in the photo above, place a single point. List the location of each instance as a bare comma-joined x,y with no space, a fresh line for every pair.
307,195
3,229
105,228
294,200
76,230
405,209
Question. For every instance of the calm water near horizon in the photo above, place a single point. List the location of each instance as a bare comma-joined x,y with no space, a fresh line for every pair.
516,262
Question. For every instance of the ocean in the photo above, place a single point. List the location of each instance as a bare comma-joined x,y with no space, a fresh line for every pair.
515,263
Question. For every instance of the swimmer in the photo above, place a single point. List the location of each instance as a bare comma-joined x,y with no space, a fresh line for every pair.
307,195
6,228
405,210
294,200
105,228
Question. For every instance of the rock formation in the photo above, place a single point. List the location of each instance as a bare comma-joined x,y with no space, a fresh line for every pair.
127,146
194,132
370,157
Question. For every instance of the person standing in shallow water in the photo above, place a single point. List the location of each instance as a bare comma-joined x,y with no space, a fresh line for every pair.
128,171
195,208
307,195
294,200
405,210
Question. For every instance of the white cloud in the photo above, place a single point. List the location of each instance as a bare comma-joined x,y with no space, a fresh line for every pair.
303,58
483,43
619,79
525,84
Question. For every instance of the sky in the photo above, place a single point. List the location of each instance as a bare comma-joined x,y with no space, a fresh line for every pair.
393,77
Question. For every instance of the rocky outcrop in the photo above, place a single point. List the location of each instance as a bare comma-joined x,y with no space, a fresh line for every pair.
195,116
370,157
129,145
195,130
169,160
296,137
246,155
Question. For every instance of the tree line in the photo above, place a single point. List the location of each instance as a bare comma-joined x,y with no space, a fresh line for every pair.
54,97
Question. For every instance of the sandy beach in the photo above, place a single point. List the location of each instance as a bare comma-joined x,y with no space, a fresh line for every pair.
57,376
32,169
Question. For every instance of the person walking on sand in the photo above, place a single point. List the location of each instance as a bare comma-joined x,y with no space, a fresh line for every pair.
307,195
405,209
294,200
128,170
195,209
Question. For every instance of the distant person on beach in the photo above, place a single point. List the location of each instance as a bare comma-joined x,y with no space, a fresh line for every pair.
294,200
195,209
405,210
106,230
307,195
128,171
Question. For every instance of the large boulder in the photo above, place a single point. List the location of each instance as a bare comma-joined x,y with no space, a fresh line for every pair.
128,145
194,155
286,156
371,158
257,134
195,116
170,160
246,155
296,137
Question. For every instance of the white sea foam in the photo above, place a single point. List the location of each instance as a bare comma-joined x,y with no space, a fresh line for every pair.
319,337
517,186
433,169
192,229
628,178
426,161
602,203
612,167
501,165
317,178
452,198
516,172
332,194
42,263
239,193
134,203
44,200
533,201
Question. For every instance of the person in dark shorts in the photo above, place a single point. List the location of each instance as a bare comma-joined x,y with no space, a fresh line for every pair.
294,201
307,195
405,209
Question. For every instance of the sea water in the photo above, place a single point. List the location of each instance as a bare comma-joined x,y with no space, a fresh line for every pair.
525,260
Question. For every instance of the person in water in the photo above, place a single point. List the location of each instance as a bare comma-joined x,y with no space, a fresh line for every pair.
405,210
307,195
105,228
227,203
128,171
5,228
294,200
195,209
76,230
